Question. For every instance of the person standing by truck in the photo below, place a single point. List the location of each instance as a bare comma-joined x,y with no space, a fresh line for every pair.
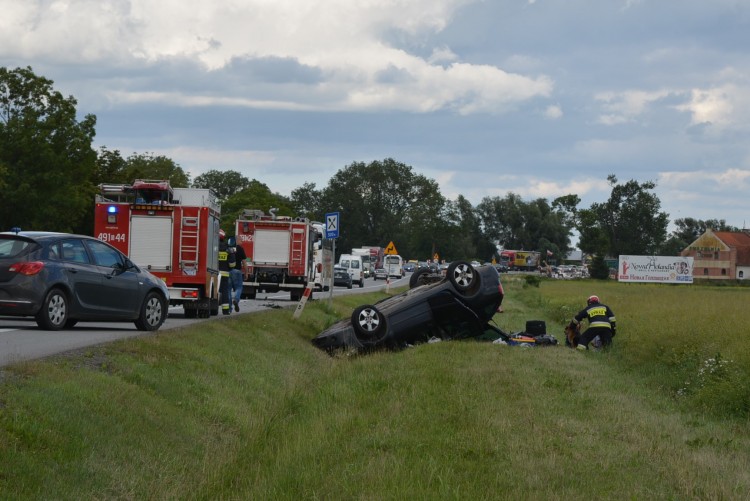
225,266
236,274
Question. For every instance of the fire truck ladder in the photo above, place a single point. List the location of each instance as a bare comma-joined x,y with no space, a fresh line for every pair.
298,250
189,231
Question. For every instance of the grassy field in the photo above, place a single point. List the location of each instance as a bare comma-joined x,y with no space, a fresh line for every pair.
247,408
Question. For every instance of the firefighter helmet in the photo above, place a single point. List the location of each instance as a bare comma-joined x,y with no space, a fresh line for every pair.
592,299
222,234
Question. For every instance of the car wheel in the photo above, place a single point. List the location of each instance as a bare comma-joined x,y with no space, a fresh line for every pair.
369,325
419,277
153,313
54,312
349,285
463,277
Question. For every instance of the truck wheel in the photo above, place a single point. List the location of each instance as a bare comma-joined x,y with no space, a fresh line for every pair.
153,313
369,325
214,308
54,312
251,293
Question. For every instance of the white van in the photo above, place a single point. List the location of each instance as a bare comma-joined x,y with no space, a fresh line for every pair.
394,265
355,267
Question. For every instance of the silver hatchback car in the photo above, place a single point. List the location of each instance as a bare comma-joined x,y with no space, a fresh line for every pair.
61,278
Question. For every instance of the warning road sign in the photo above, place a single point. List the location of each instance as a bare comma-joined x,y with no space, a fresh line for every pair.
390,249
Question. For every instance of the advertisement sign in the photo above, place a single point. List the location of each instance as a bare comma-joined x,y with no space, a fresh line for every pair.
661,269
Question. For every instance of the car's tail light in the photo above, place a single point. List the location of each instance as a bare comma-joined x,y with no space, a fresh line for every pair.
27,267
190,294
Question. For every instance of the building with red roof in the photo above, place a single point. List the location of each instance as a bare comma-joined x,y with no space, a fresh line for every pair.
720,255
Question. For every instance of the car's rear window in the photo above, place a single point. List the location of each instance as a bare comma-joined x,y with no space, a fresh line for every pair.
14,247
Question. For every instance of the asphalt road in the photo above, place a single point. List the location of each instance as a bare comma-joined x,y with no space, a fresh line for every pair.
21,339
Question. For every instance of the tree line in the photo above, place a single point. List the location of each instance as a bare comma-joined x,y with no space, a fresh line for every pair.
50,172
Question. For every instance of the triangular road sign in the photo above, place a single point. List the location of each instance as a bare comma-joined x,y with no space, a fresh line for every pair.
390,249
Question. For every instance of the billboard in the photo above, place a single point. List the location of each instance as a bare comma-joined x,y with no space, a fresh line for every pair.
659,269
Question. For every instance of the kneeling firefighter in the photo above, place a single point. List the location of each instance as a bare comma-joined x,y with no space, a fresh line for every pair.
602,323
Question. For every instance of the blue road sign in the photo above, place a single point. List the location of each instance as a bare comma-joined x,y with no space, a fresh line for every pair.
332,225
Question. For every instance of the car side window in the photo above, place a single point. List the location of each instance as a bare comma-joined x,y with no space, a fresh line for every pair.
104,255
355,264
74,251
53,252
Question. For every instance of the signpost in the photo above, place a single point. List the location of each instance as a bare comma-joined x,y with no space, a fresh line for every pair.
332,233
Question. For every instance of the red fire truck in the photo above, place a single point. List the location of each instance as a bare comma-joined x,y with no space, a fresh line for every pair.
280,252
171,232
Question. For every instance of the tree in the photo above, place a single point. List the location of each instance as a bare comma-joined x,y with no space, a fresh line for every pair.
384,201
223,183
46,160
256,195
630,218
521,225
158,167
306,201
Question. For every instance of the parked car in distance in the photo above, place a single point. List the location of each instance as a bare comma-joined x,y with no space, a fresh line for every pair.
409,267
61,279
341,277
501,268
459,306
380,274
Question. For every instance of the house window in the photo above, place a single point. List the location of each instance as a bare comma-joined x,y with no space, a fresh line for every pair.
723,271
742,274
705,271
716,255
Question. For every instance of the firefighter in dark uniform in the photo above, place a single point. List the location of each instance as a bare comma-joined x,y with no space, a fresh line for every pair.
601,321
225,287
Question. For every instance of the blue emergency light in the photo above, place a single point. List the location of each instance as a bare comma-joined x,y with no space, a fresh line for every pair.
112,214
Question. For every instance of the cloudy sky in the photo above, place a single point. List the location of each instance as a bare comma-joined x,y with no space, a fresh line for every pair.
537,97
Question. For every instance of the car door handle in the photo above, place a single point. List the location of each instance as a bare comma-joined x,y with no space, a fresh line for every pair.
72,270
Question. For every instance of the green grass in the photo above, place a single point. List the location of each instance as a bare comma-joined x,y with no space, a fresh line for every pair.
247,408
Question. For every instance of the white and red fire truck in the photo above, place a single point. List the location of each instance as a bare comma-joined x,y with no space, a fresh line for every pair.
280,252
171,232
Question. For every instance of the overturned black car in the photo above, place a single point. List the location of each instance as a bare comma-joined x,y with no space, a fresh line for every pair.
458,306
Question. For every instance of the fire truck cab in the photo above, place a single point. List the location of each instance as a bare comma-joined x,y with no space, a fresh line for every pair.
171,232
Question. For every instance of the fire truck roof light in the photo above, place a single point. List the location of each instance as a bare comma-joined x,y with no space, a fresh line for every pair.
112,209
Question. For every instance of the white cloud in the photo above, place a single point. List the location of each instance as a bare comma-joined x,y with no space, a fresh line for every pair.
553,112
343,39
713,106
622,107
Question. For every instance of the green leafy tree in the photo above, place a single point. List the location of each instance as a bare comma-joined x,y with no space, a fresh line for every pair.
306,201
687,230
631,218
223,183
157,167
517,224
378,202
111,168
46,156
257,196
